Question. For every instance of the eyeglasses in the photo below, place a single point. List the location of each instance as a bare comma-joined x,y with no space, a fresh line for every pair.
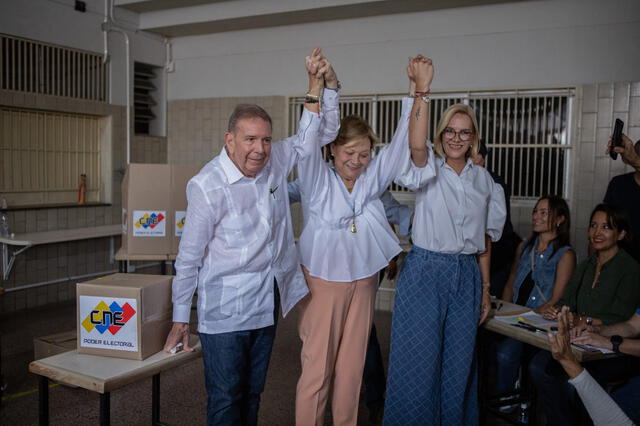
463,135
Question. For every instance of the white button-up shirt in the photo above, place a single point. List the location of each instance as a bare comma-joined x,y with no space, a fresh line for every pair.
454,212
238,236
327,247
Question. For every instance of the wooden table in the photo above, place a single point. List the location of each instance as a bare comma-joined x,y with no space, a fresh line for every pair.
537,339
105,374
27,240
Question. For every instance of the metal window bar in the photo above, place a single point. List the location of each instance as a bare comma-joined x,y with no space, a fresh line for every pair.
36,67
43,154
526,131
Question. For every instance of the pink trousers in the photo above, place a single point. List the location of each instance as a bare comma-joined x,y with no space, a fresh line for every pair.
334,325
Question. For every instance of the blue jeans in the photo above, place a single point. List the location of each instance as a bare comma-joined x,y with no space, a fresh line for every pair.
432,365
235,369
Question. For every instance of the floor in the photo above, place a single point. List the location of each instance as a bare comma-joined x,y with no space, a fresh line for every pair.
183,400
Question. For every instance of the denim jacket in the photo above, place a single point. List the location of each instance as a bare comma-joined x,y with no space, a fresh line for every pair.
544,272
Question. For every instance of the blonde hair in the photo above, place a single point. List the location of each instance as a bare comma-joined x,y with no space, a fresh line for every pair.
354,127
444,122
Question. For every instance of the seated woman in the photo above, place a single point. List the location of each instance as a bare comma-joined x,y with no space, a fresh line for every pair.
539,275
346,240
604,289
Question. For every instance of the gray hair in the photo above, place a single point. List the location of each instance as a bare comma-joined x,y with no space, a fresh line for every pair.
243,111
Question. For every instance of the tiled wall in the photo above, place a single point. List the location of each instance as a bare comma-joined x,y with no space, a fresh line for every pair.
149,149
600,105
196,126
56,261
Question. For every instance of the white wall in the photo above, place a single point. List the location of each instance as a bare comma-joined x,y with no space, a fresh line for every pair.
521,44
57,22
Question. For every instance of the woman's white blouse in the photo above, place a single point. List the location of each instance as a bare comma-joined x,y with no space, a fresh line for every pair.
454,212
327,247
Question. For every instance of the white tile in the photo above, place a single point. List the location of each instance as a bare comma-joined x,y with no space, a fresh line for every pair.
587,155
602,139
634,111
588,127
605,111
605,90
621,97
589,98
635,88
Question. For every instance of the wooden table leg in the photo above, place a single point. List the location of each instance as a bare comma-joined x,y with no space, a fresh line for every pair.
105,408
155,400
43,396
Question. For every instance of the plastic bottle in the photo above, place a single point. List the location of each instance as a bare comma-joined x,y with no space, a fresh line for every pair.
4,220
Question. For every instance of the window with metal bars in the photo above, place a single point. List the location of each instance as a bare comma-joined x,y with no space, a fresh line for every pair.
43,155
527,132
144,86
35,67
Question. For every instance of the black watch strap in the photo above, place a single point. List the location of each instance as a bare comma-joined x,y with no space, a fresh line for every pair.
616,341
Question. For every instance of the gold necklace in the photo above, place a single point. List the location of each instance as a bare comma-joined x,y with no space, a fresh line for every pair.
352,228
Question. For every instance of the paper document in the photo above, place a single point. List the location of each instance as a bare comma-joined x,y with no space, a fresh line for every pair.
537,320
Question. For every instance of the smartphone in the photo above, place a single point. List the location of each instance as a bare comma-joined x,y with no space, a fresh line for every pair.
616,139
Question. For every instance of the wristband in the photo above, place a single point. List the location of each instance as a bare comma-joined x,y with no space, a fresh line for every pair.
423,96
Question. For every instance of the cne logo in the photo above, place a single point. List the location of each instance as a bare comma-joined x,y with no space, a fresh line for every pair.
108,317
149,221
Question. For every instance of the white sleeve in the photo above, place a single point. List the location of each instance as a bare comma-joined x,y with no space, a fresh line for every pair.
497,214
198,232
602,409
414,178
330,112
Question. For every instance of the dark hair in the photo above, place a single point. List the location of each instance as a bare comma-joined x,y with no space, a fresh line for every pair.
243,111
617,219
557,207
353,127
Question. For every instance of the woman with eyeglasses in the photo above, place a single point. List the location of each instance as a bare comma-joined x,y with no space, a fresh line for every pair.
443,290
540,272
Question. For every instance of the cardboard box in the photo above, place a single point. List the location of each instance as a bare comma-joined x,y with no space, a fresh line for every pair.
180,175
124,315
146,207
46,346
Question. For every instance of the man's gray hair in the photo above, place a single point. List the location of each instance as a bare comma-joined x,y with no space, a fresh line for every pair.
243,111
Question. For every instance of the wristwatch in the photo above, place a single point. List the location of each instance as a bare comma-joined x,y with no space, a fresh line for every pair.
616,341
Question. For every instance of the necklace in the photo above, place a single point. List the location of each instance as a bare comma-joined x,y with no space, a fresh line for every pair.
352,228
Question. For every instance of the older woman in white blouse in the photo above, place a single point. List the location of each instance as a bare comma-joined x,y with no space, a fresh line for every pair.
345,242
440,296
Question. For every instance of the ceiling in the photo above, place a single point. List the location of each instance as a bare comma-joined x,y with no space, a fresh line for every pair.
179,18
